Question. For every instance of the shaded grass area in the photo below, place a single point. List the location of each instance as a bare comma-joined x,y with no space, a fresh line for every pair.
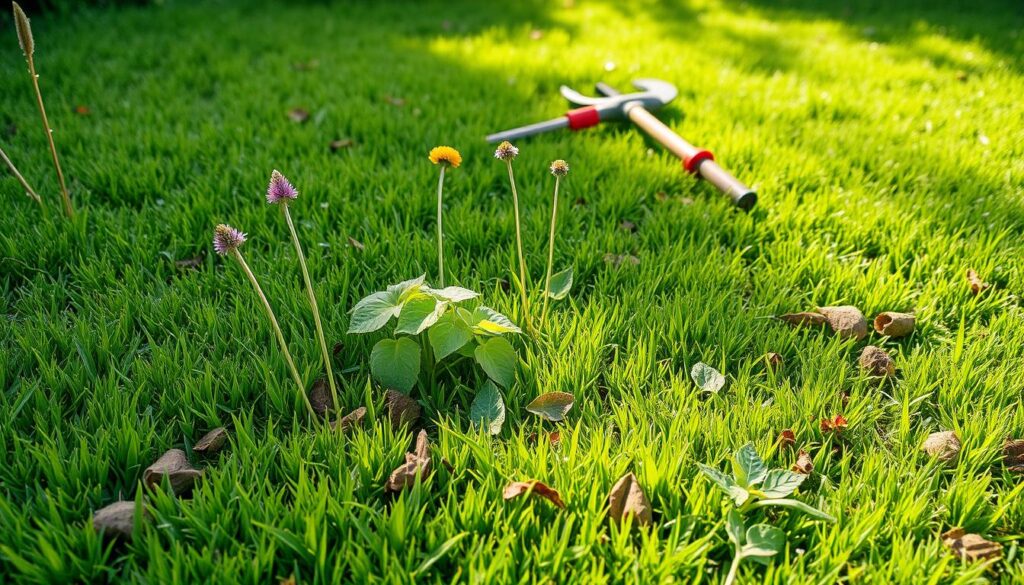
885,142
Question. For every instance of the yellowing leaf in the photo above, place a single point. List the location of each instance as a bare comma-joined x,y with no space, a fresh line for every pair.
519,488
552,406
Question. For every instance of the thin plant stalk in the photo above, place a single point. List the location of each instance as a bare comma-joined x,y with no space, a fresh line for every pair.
519,248
551,253
24,184
28,48
313,305
731,577
277,331
440,231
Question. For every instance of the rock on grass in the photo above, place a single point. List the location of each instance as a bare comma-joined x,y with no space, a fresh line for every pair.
944,446
876,362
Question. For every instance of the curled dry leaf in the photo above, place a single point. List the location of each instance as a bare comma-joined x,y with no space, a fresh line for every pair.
835,424
298,115
944,446
971,547
356,244
787,438
803,464
876,362
627,498
894,324
175,467
351,420
1013,455
977,284
846,321
806,318
117,519
773,360
320,397
518,488
402,410
341,143
211,441
618,260
417,464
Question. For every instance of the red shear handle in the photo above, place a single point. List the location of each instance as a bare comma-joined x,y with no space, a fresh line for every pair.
584,117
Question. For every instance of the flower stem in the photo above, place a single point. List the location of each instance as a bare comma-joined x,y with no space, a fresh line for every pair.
440,231
24,184
313,305
277,331
551,254
68,210
731,577
519,248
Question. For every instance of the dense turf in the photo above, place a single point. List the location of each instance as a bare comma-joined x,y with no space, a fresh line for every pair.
886,143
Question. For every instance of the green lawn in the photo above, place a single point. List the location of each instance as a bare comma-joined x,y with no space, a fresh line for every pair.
887,146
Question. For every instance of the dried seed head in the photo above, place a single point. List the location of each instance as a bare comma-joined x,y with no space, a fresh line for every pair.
445,155
227,239
506,151
28,45
559,168
280,188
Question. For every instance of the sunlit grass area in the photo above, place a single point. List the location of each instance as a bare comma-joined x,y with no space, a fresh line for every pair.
886,144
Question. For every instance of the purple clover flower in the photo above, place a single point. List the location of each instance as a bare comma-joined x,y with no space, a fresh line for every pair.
280,188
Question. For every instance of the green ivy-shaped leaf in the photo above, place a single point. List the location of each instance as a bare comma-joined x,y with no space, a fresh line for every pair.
395,363
374,311
726,483
418,313
448,335
763,542
560,285
488,409
779,483
498,359
747,466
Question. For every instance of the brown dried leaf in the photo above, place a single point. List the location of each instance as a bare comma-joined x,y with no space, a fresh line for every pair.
351,420
175,466
190,263
417,464
117,519
356,244
787,438
773,360
627,498
402,410
806,318
341,143
894,324
944,446
834,424
876,362
803,463
320,397
552,406
518,488
617,260
298,115
212,441
82,110
977,284
971,547
846,320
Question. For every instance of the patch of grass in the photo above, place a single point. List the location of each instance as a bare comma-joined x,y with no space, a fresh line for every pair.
886,145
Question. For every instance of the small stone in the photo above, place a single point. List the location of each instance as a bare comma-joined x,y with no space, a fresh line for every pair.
320,397
971,547
846,320
116,520
211,441
876,362
944,446
175,467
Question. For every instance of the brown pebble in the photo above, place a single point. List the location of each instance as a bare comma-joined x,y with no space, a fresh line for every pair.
402,410
944,446
117,519
875,361
846,320
212,441
175,466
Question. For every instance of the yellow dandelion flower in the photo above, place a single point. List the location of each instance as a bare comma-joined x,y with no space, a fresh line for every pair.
445,155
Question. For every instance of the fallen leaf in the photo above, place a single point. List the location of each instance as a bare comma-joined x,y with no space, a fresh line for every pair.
298,115
320,397
971,547
706,378
894,324
356,244
977,284
627,498
787,438
834,424
175,467
211,441
846,320
617,260
417,464
351,420
803,463
394,101
773,360
190,263
82,110
402,410
944,446
806,318
627,226
117,519
876,362
552,406
518,488
341,143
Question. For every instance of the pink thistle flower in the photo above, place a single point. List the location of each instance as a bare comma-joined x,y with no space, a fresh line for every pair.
280,188
226,239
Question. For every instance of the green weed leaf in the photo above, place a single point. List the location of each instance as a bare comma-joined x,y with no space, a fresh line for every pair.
498,359
780,483
707,378
407,288
452,294
734,527
395,363
418,313
448,335
796,505
374,312
561,283
488,409
485,320
726,483
552,406
748,467
763,541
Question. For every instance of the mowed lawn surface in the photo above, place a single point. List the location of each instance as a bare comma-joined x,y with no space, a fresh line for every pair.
886,143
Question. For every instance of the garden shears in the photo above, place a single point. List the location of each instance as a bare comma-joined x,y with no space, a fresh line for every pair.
636,106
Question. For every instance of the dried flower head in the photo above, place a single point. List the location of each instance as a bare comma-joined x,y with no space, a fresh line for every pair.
227,239
28,45
559,168
280,188
506,151
445,155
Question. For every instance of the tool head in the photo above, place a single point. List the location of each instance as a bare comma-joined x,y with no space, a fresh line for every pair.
653,94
